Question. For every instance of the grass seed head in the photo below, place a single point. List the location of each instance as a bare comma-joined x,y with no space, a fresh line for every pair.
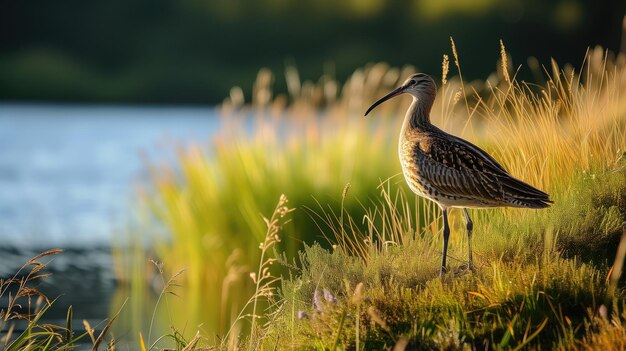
445,67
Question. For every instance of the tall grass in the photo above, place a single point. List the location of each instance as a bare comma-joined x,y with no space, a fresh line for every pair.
541,277
212,199
560,135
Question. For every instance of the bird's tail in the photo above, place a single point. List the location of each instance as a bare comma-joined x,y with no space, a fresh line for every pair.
521,194
534,203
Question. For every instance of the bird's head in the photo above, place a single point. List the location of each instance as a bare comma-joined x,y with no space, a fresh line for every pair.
419,85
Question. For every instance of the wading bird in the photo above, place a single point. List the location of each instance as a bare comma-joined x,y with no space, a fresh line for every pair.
450,171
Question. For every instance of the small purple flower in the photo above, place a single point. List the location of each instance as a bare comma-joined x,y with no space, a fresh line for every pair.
317,301
302,315
329,297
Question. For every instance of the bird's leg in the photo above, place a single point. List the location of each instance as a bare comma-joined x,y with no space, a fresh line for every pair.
446,235
470,227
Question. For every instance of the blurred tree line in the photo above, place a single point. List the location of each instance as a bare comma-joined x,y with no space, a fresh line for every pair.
193,51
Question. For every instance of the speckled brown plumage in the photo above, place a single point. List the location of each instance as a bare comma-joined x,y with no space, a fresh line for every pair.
455,173
449,170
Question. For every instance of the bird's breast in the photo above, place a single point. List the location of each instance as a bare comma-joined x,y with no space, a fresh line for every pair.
412,168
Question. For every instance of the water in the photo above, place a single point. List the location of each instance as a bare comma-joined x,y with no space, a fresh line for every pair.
67,180
67,172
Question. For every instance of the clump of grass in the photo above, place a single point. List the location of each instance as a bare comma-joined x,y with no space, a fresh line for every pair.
21,328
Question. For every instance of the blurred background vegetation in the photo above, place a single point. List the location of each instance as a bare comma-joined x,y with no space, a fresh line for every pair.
194,51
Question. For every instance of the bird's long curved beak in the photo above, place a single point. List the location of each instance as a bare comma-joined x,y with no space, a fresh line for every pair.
396,92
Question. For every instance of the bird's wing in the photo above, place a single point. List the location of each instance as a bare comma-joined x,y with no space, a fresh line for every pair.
459,168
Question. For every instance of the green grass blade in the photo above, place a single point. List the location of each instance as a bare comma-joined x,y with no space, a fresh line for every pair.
68,325
24,336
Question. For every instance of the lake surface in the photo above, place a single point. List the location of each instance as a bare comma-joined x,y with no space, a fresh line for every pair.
67,179
67,173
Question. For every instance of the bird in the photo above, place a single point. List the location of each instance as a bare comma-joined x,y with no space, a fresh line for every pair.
450,171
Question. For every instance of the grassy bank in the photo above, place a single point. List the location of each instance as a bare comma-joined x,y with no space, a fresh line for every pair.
545,278
541,282
541,277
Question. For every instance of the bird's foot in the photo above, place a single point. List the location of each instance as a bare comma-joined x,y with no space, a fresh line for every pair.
464,269
471,267
443,271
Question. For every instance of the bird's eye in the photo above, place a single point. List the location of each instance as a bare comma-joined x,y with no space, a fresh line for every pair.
412,82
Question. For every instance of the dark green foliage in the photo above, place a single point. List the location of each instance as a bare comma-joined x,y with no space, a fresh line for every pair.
590,221
195,51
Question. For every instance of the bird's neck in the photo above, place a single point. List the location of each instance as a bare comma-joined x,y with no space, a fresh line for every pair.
418,115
